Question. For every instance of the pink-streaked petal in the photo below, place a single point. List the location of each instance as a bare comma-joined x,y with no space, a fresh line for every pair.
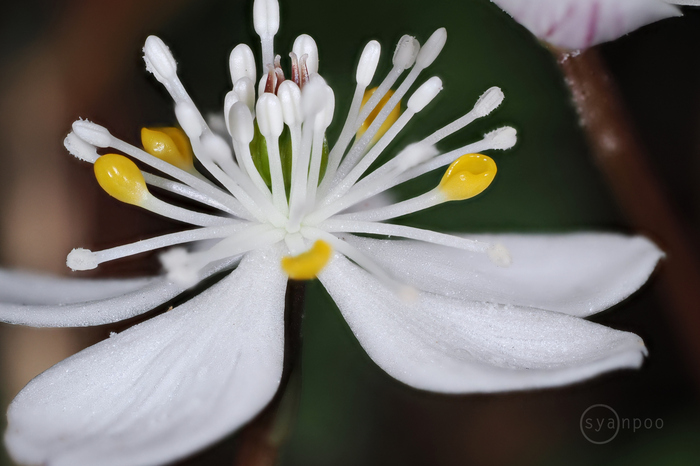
578,24
164,388
453,346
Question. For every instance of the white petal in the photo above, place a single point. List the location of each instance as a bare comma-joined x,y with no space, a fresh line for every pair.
446,345
578,274
60,302
577,24
32,288
163,388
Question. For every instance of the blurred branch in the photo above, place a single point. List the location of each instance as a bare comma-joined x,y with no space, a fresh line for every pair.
624,162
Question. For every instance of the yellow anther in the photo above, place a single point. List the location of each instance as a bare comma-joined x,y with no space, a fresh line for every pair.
468,176
168,144
121,179
390,120
307,265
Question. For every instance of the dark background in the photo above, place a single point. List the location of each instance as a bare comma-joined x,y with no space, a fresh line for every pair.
63,59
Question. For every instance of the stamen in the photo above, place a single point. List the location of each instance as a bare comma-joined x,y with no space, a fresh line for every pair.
386,229
242,63
245,90
406,51
422,97
499,139
468,176
170,145
360,146
88,131
271,124
306,266
365,72
398,171
266,21
488,102
391,118
321,122
242,131
80,149
84,259
183,190
374,183
122,179
306,45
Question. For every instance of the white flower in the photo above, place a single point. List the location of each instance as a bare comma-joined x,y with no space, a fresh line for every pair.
439,312
579,24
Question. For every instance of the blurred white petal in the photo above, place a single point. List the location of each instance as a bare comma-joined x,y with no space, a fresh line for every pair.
163,388
33,288
578,274
578,24
453,346
65,302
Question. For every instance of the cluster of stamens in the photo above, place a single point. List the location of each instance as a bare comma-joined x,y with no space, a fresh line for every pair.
273,177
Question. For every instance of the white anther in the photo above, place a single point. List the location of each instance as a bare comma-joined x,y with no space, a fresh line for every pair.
328,107
240,123
92,133
266,17
80,149
413,154
82,259
159,60
499,255
242,63
245,88
189,119
216,148
502,138
269,115
290,98
368,63
432,48
306,45
230,99
406,52
425,94
488,102
313,97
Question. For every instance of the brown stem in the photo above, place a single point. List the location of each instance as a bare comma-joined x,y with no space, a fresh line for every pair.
624,162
